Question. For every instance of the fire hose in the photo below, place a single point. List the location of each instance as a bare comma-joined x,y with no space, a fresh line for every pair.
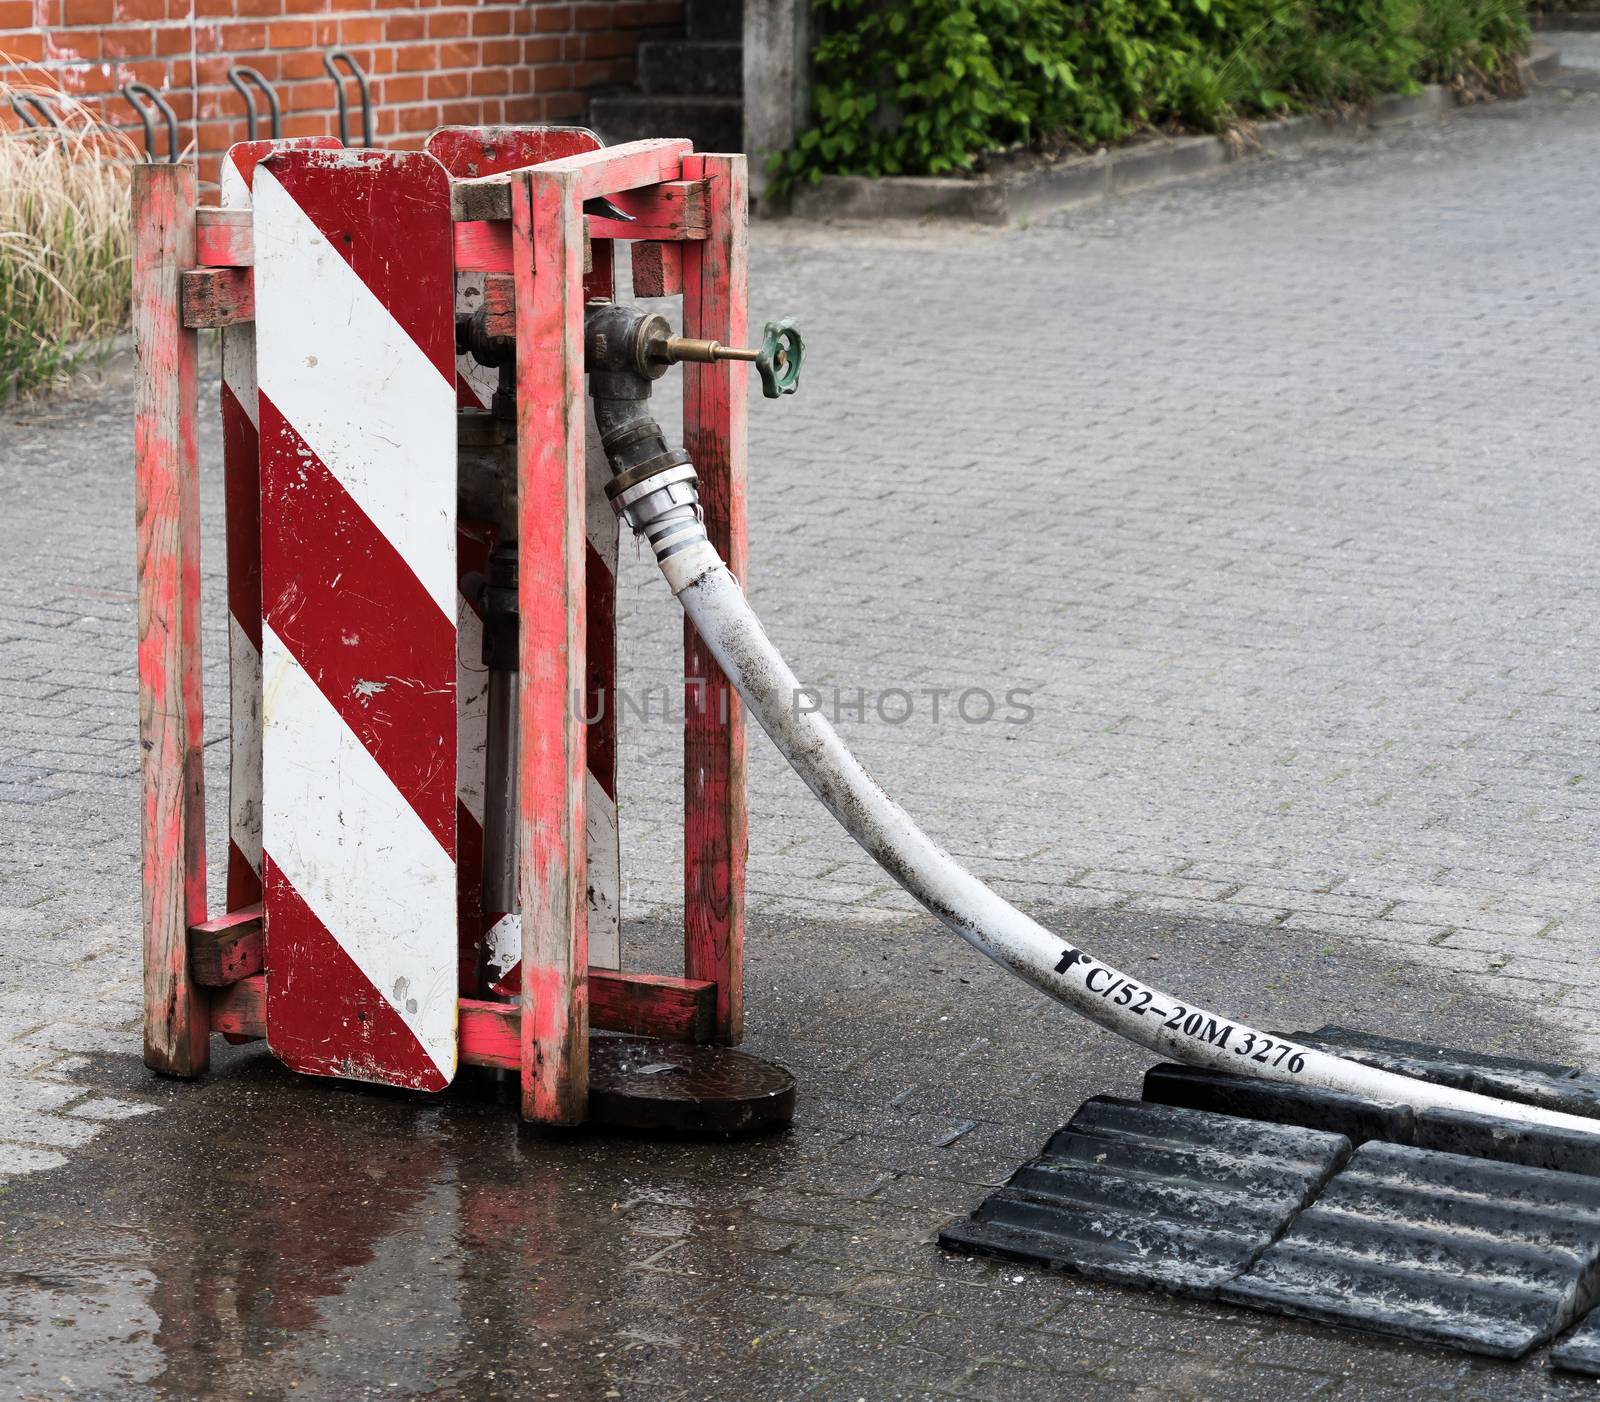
654,491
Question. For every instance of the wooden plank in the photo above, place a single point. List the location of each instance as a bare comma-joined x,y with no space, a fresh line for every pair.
607,171
715,274
487,198
547,225
227,949
491,1034
224,238
212,297
500,299
657,269
653,1005
673,210
643,1005
484,246
239,1011
613,169
167,506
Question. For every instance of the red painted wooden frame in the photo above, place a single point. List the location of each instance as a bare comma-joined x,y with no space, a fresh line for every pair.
715,406
203,976
167,505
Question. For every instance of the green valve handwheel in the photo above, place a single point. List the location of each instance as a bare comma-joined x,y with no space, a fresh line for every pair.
778,364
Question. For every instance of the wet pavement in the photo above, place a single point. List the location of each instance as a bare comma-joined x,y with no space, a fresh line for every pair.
268,1236
1291,501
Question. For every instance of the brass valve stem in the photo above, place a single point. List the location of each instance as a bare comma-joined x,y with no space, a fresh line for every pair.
676,348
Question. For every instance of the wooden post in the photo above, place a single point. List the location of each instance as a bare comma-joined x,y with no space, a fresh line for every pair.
715,841
547,250
177,1022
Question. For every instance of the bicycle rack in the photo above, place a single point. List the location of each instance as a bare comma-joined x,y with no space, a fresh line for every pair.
329,62
22,102
238,75
146,110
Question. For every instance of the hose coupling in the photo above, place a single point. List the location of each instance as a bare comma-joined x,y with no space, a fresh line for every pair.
661,503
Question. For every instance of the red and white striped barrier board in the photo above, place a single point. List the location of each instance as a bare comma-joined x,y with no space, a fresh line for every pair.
240,458
468,153
355,345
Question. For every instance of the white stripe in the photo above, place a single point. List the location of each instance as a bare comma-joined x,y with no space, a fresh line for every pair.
483,380
235,194
357,388
472,709
348,841
244,744
244,662
239,368
604,878
239,340
502,947
604,844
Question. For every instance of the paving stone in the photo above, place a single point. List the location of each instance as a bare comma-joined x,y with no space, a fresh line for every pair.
1308,610
20,1159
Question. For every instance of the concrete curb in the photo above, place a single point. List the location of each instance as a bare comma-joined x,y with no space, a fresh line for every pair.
1580,21
1003,197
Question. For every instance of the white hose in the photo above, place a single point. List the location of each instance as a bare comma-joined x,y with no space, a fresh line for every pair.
717,607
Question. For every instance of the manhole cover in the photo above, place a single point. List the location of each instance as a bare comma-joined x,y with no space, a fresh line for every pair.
639,1083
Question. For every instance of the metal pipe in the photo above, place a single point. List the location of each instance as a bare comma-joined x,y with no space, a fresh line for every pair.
663,506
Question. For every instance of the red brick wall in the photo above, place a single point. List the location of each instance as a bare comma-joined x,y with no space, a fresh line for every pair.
430,62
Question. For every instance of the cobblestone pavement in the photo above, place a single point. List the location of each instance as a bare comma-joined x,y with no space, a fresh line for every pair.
1274,494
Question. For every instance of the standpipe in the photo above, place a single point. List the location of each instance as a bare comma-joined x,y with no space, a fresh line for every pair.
654,491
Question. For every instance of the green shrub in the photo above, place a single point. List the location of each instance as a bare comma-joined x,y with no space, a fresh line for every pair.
1467,41
926,87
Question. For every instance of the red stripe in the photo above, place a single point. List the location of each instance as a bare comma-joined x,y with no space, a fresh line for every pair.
601,672
242,484
359,621
599,283
244,886
398,255
323,1016
245,156
474,541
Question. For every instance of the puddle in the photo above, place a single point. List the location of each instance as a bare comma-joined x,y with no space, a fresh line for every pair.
272,1236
